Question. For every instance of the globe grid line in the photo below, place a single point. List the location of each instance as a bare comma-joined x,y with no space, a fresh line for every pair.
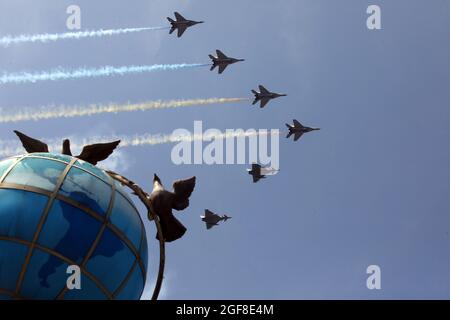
85,210
130,273
70,201
94,245
130,245
42,220
106,224
9,293
144,197
16,160
58,255
74,166
92,214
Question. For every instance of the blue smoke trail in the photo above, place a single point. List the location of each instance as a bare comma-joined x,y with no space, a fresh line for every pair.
47,37
61,74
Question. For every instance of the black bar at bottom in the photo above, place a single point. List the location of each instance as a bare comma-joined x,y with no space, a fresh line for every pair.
226,309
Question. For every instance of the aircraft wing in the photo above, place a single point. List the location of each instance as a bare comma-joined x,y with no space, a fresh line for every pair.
210,225
298,135
297,124
263,90
179,17
256,166
258,177
264,101
181,30
221,55
208,213
222,68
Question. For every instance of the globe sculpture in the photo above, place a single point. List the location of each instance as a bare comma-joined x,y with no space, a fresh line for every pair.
57,211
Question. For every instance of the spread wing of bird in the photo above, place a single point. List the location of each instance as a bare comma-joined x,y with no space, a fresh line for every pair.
95,153
31,145
182,190
181,30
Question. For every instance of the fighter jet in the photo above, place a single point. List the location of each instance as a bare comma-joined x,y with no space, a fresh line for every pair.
255,171
181,24
265,96
258,172
211,219
164,201
297,129
222,61
93,153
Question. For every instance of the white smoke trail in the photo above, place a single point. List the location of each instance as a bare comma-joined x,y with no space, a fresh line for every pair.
47,37
62,74
49,112
11,148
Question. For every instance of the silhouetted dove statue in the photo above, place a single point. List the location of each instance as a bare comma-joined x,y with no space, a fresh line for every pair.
163,201
93,153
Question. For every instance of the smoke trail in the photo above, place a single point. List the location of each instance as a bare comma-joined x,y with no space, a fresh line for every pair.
49,112
47,37
61,74
11,148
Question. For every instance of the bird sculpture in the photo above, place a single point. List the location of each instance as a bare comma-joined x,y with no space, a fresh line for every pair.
163,201
93,153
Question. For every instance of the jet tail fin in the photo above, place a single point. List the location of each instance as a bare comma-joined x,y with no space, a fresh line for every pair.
288,125
170,20
289,134
213,67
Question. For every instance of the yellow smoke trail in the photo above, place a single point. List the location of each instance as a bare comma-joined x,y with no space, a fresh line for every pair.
11,148
49,112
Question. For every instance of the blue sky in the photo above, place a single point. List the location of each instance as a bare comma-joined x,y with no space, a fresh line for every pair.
370,188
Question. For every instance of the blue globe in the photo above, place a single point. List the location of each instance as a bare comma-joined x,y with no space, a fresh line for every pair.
57,211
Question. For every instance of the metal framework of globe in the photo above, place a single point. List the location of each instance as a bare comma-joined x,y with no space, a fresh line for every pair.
60,174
